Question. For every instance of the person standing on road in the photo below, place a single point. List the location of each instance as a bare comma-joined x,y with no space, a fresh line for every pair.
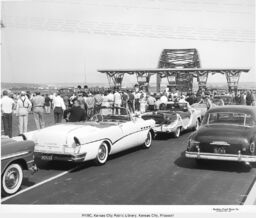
137,101
105,102
58,108
110,98
131,101
164,98
125,99
90,102
208,101
249,98
38,103
151,102
243,99
143,102
98,102
23,108
117,101
47,104
7,106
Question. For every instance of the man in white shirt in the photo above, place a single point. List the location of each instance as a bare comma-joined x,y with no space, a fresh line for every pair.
7,106
110,97
117,100
164,99
58,108
22,110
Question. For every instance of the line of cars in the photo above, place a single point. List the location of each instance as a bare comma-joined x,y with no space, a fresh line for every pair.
110,131
225,133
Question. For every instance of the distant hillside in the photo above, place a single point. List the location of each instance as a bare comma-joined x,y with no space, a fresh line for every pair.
4,85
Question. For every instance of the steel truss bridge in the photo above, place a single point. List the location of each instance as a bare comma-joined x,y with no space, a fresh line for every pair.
179,66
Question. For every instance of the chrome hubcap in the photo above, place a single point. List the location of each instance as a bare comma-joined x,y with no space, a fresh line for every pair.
12,178
102,152
148,139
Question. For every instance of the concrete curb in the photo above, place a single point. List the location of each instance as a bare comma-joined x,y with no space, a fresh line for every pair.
251,197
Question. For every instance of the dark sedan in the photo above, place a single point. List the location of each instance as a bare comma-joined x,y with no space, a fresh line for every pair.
16,156
227,133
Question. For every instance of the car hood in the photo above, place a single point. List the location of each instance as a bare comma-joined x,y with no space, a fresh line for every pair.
227,133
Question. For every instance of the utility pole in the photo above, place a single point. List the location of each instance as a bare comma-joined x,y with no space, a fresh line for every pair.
85,72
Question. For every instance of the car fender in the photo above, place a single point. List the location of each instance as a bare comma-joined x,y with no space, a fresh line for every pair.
21,161
91,148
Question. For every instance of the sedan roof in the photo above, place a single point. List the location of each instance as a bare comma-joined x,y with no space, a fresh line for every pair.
235,108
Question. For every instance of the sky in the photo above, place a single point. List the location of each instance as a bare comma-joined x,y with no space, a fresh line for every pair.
62,41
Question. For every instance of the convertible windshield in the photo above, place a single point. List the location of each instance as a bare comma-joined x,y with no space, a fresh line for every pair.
241,119
174,107
112,115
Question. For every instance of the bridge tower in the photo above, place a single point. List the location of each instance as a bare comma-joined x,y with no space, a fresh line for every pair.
178,59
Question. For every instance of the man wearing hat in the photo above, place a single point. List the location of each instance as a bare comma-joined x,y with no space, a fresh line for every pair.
38,110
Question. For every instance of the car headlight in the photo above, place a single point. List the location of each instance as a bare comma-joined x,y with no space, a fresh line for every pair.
252,147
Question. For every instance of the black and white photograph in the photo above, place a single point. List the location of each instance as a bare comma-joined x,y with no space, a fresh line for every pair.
128,108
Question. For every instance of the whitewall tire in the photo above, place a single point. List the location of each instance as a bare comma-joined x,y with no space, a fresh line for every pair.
148,140
102,155
12,179
177,132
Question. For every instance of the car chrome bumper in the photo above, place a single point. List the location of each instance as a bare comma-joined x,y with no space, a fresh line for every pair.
163,129
61,157
215,156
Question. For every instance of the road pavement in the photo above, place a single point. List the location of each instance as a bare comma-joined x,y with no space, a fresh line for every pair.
161,175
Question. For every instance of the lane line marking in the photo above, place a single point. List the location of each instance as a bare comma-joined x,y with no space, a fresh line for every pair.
251,197
39,184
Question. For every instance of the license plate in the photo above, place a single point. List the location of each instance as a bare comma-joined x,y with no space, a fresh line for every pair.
219,150
46,157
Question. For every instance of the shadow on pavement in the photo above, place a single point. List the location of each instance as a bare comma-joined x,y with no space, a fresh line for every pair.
126,152
56,165
65,166
27,182
215,165
161,136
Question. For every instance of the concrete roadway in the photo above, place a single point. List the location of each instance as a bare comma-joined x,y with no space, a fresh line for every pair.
158,176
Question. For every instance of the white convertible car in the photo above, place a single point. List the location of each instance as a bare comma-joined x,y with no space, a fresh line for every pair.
174,118
109,132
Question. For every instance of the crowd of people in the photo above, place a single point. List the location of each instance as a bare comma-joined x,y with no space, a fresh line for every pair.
83,103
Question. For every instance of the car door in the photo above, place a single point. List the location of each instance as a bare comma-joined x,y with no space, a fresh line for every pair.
127,136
